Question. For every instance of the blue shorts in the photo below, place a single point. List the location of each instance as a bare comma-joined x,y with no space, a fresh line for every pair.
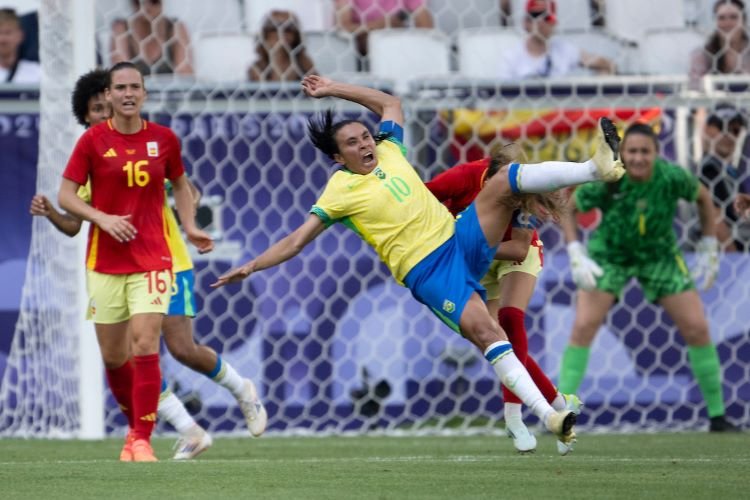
445,279
183,298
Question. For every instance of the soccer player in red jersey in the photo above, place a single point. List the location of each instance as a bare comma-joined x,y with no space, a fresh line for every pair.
128,261
510,281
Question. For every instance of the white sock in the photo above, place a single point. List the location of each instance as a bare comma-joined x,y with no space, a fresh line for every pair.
229,378
559,402
512,413
172,410
514,376
550,175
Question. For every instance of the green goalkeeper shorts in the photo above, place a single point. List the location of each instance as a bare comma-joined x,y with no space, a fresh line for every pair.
663,276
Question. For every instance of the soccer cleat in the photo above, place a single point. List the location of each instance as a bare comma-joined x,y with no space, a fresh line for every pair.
561,423
253,409
721,424
191,444
126,454
523,440
142,451
573,403
609,168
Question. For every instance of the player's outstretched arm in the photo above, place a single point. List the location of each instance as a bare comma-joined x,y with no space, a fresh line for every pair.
279,252
386,106
64,222
184,200
117,226
517,248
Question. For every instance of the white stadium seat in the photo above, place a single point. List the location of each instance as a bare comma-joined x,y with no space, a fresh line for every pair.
223,56
331,52
480,49
630,19
667,52
403,55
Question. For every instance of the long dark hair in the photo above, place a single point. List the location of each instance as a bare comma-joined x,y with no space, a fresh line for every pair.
322,131
715,44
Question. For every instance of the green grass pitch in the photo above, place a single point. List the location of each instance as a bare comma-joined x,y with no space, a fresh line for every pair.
660,466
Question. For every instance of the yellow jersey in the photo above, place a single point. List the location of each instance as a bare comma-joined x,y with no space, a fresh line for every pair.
390,208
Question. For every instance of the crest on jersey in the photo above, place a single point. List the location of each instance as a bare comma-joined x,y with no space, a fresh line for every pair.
448,306
152,148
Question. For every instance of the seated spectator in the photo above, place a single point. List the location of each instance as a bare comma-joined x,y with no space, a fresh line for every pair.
362,16
153,42
727,50
541,55
281,53
719,172
12,68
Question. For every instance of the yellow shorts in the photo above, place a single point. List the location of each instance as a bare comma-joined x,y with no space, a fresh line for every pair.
114,298
532,265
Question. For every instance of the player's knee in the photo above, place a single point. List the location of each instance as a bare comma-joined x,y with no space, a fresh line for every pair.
696,332
179,350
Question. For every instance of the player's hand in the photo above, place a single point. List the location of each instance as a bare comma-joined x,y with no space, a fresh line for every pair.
707,265
316,86
234,275
742,205
200,240
117,226
584,269
40,205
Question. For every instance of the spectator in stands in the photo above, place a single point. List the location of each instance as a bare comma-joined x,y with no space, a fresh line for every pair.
12,68
153,42
719,172
281,54
727,50
362,16
541,55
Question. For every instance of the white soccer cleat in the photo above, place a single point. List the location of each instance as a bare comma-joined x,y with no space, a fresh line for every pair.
192,443
253,409
574,404
523,440
560,423
609,168
564,448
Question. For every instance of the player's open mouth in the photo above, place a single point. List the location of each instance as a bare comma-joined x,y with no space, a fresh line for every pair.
367,158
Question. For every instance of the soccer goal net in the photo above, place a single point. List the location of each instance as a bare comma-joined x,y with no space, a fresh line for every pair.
333,343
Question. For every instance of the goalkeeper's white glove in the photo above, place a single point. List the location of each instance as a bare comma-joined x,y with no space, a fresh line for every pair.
707,264
584,269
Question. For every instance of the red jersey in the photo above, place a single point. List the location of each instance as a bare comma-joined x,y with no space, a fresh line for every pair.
457,187
127,173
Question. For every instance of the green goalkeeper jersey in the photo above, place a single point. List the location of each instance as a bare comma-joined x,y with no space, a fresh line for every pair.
637,217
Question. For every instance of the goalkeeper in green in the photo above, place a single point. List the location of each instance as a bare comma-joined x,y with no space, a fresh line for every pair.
635,239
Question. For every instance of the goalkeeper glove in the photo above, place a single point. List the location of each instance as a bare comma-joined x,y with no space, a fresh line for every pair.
707,265
584,269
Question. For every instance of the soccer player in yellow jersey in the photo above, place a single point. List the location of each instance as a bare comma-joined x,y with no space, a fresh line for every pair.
440,259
